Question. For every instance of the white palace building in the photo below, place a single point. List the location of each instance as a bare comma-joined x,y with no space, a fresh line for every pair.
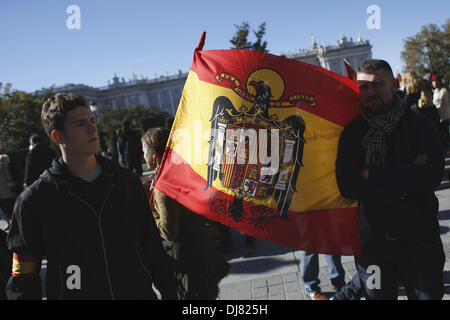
165,92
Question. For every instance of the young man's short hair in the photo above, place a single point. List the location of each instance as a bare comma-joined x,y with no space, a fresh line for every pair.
54,110
373,65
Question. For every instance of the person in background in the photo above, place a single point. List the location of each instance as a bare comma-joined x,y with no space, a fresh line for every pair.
413,90
390,159
39,158
129,149
426,106
351,291
198,267
400,86
442,103
9,188
309,265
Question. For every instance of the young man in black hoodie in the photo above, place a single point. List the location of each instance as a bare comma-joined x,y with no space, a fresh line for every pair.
89,218
391,159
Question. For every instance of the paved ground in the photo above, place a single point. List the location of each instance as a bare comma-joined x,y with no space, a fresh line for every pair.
269,271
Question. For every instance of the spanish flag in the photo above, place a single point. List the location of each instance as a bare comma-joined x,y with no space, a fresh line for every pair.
254,144
351,74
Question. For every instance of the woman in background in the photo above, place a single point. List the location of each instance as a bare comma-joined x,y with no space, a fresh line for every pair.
426,106
413,90
199,268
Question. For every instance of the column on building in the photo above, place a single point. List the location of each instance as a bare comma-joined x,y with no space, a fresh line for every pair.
158,95
143,99
172,107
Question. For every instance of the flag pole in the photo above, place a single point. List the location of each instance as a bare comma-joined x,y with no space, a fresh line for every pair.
201,43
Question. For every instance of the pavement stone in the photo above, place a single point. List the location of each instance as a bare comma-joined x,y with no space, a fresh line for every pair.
260,292
275,280
278,297
290,277
277,289
259,283
294,296
292,287
244,290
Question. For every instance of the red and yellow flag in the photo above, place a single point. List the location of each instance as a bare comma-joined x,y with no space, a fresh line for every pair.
351,74
253,146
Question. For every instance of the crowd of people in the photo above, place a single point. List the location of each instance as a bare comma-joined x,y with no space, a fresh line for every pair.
109,236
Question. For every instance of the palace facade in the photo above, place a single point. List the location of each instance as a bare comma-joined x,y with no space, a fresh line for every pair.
165,92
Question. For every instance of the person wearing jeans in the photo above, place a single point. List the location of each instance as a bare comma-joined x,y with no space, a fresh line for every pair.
309,264
391,160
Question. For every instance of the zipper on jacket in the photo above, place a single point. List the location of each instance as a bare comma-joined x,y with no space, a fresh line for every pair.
142,263
101,233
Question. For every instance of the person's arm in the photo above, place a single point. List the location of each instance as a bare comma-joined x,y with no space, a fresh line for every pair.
415,177
168,210
25,243
25,282
348,172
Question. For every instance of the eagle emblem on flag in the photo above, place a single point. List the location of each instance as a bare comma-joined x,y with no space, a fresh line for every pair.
256,155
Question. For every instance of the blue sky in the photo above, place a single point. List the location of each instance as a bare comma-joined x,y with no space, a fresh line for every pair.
154,38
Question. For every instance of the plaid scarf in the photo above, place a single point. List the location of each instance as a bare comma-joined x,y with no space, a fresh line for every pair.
381,126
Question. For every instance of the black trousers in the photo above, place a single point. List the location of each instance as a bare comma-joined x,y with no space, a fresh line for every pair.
383,264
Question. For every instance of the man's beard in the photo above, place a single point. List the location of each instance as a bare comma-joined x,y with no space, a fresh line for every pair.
382,108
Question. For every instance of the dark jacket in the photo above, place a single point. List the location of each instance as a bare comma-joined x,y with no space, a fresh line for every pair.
432,114
38,159
104,227
398,200
412,101
198,265
129,148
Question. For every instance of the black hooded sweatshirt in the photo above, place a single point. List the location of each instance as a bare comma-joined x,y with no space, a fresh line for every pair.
105,228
